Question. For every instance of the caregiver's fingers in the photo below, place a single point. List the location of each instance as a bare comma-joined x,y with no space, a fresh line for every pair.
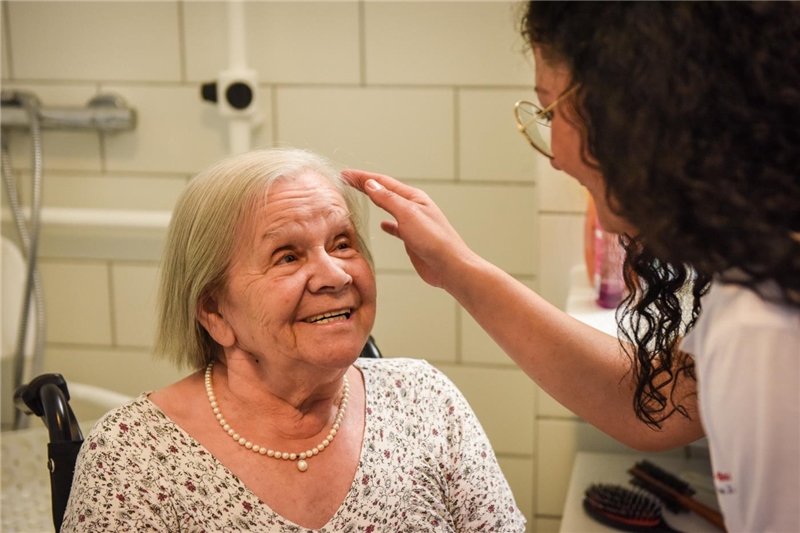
365,182
390,227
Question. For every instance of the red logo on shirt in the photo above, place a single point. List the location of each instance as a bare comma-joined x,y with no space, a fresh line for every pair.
724,483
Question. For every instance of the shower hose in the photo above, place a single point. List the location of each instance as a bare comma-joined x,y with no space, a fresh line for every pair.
29,237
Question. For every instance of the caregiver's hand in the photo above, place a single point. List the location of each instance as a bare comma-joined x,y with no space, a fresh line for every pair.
435,248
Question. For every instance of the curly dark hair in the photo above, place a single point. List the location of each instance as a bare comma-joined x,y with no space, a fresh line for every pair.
691,111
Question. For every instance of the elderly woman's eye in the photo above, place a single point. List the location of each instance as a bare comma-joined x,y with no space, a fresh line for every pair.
287,258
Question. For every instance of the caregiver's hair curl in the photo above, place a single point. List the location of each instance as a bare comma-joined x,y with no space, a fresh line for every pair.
691,112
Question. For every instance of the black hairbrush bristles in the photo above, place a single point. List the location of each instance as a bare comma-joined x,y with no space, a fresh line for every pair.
670,480
626,509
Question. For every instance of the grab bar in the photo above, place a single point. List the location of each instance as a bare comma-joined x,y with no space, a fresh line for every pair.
92,217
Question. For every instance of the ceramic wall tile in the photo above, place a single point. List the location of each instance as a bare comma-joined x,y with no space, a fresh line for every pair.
558,191
476,345
388,252
122,40
444,43
150,192
498,222
548,407
490,145
519,474
560,248
504,401
134,300
414,320
5,71
77,302
407,133
547,525
557,446
100,243
286,42
176,131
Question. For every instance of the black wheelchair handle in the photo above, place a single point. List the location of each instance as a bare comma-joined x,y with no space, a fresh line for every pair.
47,397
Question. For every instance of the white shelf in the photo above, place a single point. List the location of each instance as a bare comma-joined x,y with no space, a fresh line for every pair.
582,304
612,468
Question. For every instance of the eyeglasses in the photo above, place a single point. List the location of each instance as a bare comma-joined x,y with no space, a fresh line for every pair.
534,122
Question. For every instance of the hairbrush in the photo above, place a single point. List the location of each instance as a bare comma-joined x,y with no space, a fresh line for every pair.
626,509
675,492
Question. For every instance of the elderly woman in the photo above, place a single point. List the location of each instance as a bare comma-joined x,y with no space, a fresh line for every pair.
267,291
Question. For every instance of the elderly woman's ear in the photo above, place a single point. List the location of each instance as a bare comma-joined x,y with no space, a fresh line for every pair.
210,316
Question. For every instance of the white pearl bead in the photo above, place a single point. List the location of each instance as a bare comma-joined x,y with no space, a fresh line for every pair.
302,456
333,433
256,448
270,453
248,444
242,441
315,451
226,427
292,456
263,451
236,436
231,432
285,455
302,465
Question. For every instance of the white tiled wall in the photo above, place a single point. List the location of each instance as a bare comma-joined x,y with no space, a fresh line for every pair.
423,91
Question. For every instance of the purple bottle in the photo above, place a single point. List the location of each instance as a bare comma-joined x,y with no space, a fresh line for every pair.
608,255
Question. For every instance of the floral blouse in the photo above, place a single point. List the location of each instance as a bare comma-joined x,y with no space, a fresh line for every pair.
426,465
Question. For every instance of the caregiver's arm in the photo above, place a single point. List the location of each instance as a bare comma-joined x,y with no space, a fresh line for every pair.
582,368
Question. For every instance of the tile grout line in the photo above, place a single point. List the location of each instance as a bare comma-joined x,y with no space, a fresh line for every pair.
112,315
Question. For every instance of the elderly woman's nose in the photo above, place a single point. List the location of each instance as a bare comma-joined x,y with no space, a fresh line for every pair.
328,273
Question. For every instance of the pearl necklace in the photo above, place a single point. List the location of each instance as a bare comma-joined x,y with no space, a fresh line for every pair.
302,465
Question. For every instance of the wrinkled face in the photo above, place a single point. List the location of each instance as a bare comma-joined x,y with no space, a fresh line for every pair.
567,142
299,288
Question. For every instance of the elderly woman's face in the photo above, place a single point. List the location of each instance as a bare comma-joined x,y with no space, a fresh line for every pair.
299,287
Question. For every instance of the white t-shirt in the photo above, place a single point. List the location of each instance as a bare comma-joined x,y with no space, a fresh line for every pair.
747,355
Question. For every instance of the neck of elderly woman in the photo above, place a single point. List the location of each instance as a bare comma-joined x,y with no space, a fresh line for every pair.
297,402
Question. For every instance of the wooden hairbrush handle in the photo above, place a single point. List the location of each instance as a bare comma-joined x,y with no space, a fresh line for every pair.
712,515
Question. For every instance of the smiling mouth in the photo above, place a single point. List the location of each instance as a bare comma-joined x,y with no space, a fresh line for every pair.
330,316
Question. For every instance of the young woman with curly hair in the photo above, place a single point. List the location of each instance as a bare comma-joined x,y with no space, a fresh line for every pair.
683,122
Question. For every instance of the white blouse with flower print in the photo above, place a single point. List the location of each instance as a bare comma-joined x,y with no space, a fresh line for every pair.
426,465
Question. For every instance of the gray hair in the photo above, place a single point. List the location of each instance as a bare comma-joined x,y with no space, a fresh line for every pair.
202,237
